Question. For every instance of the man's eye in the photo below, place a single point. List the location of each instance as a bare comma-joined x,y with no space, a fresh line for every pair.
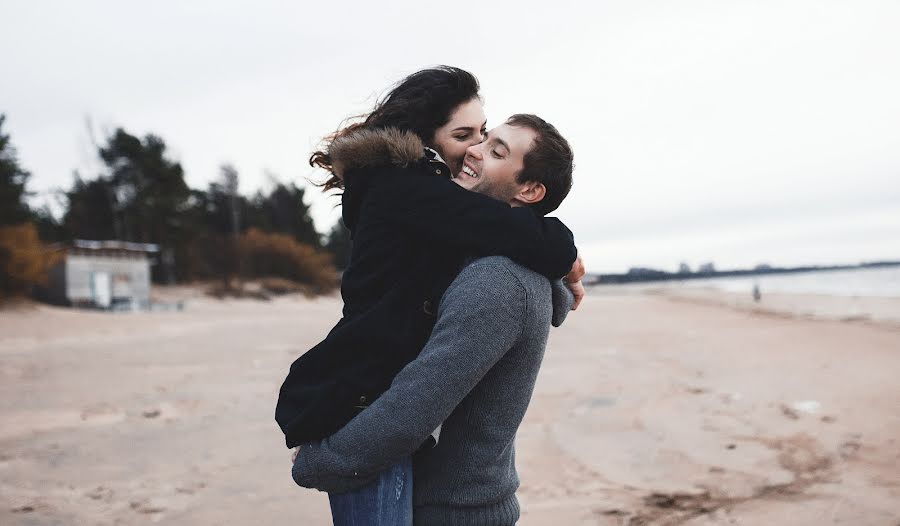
496,154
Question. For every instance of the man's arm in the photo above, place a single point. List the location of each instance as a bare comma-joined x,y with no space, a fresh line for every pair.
480,318
440,212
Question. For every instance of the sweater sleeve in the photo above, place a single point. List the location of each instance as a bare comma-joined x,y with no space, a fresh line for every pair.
438,211
562,302
480,318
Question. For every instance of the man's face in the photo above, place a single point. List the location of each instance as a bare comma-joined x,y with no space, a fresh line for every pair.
465,128
490,167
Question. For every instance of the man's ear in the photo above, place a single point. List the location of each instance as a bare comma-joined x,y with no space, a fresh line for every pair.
532,192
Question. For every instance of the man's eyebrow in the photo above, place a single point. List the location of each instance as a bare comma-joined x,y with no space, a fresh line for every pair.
502,143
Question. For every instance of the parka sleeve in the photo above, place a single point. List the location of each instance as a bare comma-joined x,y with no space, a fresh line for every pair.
441,212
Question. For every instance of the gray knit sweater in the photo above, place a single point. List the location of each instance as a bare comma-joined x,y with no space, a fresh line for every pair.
476,376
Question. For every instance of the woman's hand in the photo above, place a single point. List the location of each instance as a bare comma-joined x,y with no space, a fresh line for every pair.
573,281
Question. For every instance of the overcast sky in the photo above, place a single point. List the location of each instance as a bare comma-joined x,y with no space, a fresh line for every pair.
738,132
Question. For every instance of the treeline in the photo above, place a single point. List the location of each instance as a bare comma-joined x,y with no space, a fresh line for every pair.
140,195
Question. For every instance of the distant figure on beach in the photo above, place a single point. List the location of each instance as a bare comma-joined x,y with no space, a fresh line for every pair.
425,194
756,294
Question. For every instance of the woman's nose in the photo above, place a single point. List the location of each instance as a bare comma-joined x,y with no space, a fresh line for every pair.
474,150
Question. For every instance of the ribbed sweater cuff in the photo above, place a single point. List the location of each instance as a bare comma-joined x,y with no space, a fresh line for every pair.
302,471
505,512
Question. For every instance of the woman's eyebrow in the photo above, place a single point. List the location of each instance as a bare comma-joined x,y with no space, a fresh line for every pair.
470,128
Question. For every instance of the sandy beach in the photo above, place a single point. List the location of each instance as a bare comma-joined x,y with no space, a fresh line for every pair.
652,408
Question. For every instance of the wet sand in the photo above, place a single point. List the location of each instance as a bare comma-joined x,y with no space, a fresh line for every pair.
650,409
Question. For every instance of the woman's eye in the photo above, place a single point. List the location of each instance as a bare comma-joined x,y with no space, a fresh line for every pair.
462,137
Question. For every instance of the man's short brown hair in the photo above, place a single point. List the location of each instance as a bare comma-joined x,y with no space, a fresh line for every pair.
549,161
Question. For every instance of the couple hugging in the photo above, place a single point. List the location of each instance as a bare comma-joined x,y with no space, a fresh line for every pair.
407,410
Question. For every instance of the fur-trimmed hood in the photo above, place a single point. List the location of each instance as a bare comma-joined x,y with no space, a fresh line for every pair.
367,148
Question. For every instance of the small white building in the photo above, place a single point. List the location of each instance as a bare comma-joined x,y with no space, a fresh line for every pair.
103,274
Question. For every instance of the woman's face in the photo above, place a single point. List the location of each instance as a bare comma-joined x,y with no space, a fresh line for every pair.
465,128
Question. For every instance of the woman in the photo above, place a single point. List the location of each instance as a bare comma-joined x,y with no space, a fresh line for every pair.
412,230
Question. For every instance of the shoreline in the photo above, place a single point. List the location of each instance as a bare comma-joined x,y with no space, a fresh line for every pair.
876,311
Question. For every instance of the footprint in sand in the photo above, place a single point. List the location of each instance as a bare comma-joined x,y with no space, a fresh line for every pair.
102,414
100,493
146,507
151,413
170,411
849,449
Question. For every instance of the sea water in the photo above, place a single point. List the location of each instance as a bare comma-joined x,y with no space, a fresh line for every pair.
882,282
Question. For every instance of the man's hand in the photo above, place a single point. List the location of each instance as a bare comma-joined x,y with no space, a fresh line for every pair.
573,281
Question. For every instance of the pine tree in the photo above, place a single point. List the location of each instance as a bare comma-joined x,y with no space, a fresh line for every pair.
13,209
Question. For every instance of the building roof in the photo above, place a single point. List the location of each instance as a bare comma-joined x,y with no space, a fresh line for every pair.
111,244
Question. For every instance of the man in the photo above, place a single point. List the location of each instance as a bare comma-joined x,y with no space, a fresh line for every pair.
475,376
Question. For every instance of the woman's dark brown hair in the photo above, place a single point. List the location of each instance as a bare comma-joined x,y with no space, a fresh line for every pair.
420,103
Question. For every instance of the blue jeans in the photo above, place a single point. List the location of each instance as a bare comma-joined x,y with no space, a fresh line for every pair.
386,501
